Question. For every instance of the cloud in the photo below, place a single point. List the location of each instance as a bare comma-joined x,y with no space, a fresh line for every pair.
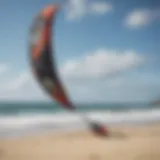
141,17
3,68
18,82
76,9
96,77
101,63
21,87
100,7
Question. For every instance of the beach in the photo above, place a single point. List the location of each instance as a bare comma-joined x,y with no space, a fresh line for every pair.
124,143
30,132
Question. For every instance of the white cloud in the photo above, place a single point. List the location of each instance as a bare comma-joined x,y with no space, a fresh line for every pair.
76,9
90,79
141,17
138,18
101,63
18,82
21,87
100,7
3,68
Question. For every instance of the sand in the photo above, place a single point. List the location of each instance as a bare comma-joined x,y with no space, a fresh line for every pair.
125,143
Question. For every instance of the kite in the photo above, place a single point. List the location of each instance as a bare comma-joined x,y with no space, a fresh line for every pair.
43,62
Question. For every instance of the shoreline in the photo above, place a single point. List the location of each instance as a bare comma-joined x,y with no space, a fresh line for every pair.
33,133
125,143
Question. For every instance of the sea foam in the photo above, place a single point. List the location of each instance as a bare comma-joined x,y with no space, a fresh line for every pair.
12,125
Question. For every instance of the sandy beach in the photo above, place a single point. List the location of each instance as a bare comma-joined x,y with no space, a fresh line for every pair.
125,143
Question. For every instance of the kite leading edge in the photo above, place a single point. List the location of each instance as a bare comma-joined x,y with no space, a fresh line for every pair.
40,46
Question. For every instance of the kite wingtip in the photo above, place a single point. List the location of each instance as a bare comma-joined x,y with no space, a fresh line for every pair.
99,129
50,9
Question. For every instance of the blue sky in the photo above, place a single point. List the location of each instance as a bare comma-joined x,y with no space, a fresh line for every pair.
106,50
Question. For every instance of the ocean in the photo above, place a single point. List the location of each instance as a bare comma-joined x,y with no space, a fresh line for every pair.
17,119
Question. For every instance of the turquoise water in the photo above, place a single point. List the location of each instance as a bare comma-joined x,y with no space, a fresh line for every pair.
16,108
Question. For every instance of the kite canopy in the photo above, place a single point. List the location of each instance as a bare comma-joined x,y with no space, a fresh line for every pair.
42,62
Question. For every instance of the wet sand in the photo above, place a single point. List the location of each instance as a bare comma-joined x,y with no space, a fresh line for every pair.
124,143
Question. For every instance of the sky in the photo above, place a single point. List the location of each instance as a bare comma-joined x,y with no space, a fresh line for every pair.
106,50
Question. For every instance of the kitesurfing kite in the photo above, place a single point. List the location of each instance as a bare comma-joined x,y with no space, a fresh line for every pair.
43,64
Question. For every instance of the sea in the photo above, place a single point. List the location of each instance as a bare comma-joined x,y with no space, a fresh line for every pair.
25,118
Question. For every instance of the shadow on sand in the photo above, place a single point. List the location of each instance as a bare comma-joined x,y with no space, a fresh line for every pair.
118,135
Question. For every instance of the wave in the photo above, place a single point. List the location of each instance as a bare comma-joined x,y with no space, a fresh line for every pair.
12,125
